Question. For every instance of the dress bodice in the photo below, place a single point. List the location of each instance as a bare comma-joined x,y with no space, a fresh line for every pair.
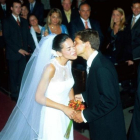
61,83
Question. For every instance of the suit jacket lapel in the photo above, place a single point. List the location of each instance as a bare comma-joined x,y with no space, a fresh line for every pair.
92,27
136,24
65,18
13,21
80,24
35,6
21,23
72,14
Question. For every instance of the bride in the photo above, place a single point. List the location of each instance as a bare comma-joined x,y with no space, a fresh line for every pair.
42,111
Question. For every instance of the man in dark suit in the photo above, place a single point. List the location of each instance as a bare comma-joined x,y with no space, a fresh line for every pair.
84,21
37,8
18,38
4,9
68,14
104,109
81,23
134,23
4,13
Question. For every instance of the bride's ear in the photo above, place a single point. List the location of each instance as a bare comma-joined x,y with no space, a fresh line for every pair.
59,53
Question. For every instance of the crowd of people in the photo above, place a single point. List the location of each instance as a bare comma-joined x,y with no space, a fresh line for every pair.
26,33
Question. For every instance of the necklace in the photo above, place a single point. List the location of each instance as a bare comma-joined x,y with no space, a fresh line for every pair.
55,29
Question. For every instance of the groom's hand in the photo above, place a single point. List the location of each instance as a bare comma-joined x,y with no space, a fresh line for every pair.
78,97
78,117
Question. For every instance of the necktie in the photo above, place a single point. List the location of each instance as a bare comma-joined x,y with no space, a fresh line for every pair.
86,25
18,22
133,22
32,7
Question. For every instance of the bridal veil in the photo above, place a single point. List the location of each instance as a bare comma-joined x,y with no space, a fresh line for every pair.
24,121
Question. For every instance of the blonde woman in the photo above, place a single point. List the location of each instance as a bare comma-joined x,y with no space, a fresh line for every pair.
53,24
118,39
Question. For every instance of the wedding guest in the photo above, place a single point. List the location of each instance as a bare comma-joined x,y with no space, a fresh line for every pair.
134,24
68,13
80,23
24,12
84,21
118,39
4,13
18,38
42,110
37,8
35,29
53,24
4,9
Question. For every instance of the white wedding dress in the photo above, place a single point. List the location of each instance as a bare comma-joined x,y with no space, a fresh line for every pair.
30,120
53,122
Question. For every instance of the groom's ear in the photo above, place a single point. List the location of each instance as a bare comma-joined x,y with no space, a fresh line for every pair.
87,44
59,53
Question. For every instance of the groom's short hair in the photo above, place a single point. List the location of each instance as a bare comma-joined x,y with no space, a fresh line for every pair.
91,36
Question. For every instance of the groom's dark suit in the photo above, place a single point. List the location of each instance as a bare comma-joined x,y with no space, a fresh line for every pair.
104,110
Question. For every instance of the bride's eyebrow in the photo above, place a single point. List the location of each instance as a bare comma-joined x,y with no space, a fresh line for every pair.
68,47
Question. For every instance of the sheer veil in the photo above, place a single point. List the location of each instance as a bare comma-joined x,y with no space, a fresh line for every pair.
24,121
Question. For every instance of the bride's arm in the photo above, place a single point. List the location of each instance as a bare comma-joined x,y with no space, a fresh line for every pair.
42,87
71,94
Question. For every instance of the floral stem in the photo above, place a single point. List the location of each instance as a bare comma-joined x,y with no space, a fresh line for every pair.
67,134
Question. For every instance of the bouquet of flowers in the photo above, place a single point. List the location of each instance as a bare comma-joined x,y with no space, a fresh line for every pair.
78,106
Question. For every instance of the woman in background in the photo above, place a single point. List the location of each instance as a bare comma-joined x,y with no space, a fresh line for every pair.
24,12
53,24
35,29
118,39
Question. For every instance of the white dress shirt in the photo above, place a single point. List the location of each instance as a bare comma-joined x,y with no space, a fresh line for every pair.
16,17
89,62
3,6
89,26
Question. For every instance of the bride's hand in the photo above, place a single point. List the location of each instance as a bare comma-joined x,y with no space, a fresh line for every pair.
69,112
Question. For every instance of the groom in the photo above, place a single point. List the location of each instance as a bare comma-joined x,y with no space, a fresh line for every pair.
104,110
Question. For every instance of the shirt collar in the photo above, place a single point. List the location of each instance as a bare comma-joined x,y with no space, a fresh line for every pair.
68,12
16,17
91,58
33,3
3,4
137,17
83,20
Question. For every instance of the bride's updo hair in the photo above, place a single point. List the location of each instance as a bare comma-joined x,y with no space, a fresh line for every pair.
58,41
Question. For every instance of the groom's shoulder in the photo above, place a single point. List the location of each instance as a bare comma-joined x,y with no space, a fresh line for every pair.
104,61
